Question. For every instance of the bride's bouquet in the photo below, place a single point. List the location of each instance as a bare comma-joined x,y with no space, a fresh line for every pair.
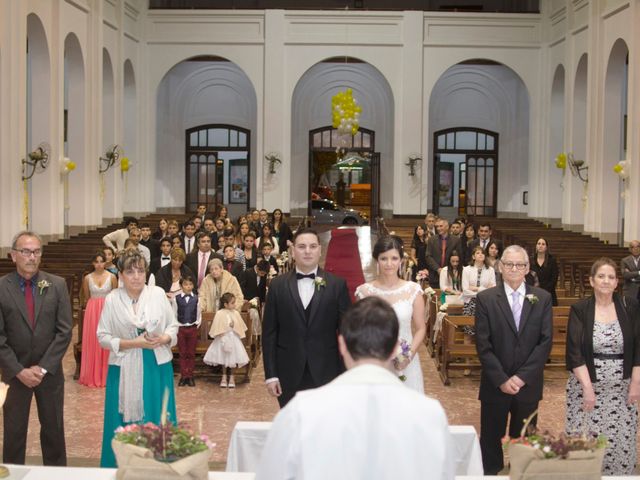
403,353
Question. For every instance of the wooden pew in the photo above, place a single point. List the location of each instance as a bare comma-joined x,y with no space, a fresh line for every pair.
458,349
455,350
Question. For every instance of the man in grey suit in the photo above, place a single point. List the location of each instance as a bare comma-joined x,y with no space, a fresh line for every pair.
35,331
514,324
630,267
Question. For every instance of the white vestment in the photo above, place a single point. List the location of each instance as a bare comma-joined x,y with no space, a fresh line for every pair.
364,425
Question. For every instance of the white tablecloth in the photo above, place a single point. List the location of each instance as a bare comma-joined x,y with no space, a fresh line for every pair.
20,472
248,439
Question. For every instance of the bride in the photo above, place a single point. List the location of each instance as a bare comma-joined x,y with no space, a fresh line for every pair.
406,300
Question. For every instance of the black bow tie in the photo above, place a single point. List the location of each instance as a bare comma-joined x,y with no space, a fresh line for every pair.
300,276
166,258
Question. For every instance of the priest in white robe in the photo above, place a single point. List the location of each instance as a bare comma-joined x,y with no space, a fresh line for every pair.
365,423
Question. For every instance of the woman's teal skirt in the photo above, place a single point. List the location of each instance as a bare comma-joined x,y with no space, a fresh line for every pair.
157,378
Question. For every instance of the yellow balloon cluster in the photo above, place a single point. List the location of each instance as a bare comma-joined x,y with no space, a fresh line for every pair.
124,164
346,112
561,161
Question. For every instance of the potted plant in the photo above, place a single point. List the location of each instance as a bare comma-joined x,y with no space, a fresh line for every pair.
167,451
554,457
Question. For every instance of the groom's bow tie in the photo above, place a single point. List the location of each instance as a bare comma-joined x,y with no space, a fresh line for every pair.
300,276
166,258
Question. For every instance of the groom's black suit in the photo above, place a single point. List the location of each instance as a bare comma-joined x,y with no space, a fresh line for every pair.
300,346
505,351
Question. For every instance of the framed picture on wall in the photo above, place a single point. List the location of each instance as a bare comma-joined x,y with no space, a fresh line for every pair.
445,184
238,181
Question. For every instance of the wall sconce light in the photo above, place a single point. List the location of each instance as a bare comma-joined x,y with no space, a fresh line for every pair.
577,167
414,158
40,156
110,158
273,158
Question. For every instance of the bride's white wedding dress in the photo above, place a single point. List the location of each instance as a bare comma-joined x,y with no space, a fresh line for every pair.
401,299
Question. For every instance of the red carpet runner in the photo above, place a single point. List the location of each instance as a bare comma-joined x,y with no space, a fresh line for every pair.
343,258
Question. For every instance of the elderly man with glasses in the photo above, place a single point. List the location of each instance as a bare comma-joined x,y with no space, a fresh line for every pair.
35,330
513,338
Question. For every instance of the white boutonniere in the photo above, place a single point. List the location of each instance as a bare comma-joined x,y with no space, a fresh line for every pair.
43,285
319,282
532,298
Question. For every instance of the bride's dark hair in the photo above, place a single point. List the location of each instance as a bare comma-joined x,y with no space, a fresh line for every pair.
386,243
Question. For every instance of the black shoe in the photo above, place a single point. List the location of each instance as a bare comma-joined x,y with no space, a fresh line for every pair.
191,382
182,382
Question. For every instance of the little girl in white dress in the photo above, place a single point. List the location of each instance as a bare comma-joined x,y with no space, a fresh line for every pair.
228,329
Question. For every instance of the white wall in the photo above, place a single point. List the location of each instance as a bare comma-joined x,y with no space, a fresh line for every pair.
411,51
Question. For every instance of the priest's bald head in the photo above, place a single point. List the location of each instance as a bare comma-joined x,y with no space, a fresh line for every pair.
368,333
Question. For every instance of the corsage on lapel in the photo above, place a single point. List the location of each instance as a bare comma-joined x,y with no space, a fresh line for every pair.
532,298
319,283
43,285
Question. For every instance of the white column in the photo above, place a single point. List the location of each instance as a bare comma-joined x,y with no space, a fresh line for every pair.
410,194
13,29
273,190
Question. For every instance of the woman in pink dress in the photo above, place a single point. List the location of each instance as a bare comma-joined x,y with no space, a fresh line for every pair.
95,287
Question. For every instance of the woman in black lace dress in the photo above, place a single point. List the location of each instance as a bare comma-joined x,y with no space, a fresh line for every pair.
603,355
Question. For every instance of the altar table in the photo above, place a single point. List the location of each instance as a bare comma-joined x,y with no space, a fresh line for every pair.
248,440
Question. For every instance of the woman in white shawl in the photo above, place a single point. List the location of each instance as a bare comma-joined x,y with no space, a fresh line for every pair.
139,328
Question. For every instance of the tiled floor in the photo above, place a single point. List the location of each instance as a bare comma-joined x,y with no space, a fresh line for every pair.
214,411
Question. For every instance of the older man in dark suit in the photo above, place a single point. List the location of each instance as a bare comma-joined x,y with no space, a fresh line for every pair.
630,268
513,338
301,318
35,331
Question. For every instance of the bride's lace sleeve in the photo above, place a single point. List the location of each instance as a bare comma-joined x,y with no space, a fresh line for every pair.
361,292
415,291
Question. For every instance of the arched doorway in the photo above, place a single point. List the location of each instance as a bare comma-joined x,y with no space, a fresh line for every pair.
481,96
76,204
465,172
574,196
614,143
311,112
38,125
351,178
217,166
197,95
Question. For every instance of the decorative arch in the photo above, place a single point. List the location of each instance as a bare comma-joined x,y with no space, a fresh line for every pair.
483,94
130,129
196,92
111,201
556,140
614,134
311,109
74,106
38,116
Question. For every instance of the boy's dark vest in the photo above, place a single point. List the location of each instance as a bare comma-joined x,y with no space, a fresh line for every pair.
187,312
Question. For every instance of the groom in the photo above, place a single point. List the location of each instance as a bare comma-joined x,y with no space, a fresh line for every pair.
301,319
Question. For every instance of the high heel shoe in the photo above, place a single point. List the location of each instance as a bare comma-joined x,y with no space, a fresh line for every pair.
232,382
223,382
